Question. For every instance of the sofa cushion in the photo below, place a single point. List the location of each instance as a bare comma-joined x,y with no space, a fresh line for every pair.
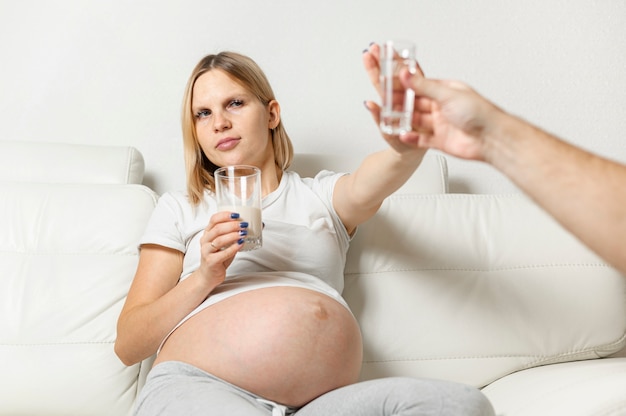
582,388
475,287
68,253
24,161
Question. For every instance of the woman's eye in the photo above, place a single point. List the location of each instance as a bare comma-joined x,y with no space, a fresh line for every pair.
236,103
203,113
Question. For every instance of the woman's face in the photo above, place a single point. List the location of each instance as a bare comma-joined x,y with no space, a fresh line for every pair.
232,125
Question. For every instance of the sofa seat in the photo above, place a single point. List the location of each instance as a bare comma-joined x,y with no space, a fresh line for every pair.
578,388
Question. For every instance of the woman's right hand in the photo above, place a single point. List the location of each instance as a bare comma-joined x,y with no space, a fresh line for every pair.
158,300
222,239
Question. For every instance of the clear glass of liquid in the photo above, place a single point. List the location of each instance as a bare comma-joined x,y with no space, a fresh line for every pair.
397,102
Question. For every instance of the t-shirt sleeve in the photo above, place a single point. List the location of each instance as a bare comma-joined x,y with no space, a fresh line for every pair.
164,226
323,184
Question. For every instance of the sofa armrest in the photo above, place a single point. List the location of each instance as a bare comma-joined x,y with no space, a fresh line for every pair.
71,222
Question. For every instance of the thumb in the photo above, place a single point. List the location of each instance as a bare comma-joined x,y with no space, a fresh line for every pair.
423,86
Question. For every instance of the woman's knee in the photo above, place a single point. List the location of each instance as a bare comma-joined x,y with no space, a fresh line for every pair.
438,397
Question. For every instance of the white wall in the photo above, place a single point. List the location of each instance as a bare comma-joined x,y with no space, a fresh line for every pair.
113,71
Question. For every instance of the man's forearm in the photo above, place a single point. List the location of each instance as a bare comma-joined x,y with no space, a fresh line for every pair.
584,192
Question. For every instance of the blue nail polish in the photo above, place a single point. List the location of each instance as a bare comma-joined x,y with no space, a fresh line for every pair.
243,224
243,232
234,215
241,241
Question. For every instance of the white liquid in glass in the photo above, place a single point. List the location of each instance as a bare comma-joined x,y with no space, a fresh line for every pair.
252,216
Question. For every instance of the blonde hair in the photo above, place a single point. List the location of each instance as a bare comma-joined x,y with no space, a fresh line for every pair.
198,167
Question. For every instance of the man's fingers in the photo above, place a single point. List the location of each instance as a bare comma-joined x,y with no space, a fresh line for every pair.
422,86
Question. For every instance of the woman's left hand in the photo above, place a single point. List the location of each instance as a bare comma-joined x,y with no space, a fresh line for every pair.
371,62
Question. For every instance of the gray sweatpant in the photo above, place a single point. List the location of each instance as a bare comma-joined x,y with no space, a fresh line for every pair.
175,388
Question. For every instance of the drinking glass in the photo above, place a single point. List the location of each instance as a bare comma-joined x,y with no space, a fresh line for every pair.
238,189
397,102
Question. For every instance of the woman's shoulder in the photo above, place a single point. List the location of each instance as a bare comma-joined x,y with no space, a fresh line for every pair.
321,176
175,198
176,207
180,201
321,184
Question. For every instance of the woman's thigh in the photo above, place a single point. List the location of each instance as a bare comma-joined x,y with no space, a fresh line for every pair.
176,389
400,396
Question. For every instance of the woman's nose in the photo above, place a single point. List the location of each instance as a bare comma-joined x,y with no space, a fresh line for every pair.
220,122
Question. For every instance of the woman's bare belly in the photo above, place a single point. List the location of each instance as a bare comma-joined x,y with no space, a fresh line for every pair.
285,344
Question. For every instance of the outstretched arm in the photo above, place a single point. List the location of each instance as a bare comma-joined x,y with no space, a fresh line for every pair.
359,195
584,192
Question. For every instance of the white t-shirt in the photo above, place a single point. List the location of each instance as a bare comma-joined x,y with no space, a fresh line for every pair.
304,241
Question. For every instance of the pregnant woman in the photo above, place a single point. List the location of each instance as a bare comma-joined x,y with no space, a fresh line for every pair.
263,332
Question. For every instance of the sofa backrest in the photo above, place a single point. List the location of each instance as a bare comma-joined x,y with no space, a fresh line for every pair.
70,225
430,178
474,287
24,161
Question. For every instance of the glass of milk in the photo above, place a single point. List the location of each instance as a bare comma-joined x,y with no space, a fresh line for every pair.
238,189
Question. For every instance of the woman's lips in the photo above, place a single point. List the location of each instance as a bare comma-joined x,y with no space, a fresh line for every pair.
227,143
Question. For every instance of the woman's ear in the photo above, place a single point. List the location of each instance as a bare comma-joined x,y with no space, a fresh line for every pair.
274,114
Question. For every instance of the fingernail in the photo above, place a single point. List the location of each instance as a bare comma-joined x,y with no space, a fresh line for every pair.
234,215
243,232
243,224
241,241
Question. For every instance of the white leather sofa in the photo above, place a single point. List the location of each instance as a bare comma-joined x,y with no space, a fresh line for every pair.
482,289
